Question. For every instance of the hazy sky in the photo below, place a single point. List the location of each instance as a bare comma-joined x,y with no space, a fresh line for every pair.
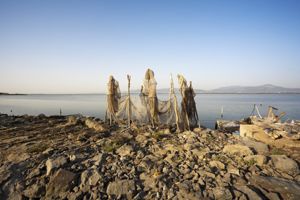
73,46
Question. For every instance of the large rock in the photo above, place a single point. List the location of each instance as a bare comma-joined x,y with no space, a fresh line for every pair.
121,188
285,164
258,147
217,164
51,164
237,149
286,188
60,184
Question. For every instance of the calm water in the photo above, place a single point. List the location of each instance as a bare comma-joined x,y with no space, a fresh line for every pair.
236,106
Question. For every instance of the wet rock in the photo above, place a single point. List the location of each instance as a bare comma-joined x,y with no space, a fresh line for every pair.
285,164
237,149
121,188
60,184
52,164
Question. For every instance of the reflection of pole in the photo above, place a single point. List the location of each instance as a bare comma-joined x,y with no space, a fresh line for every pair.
129,101
222,110
175,102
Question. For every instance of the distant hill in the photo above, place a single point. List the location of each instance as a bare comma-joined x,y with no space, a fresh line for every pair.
262,89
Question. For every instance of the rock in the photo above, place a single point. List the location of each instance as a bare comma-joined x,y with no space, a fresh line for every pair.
72,120
121,188
259,147
140,138
285,164
237,149
95,125
55,163
286,188
222,193
35,191
90,177
217,164
99,159
257,159
124,150
251,194
60,184
17,157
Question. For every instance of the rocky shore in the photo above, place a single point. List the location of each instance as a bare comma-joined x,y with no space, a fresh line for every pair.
76,157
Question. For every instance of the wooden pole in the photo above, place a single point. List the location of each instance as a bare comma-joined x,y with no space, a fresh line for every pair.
129,101
176,105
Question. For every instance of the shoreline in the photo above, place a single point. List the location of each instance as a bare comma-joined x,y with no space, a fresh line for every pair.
79,157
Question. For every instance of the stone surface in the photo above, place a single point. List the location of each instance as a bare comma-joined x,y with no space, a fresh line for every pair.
124,188
258,159
60,183
286,188
285,164
237,149
55,163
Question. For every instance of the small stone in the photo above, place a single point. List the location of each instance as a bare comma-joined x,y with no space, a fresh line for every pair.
124,150
217,164
55,163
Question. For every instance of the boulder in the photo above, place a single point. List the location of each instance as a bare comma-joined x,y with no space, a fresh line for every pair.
285,164
51,164
237,149
60,184
121,188
258,147
286,188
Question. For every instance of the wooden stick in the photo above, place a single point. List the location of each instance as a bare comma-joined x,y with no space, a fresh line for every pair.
175,102
129,101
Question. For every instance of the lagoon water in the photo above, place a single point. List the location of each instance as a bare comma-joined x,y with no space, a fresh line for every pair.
235,106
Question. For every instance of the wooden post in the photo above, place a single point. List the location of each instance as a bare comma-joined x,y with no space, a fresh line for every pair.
129,101
175,102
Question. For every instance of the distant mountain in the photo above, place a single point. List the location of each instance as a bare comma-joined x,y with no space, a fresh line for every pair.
262,89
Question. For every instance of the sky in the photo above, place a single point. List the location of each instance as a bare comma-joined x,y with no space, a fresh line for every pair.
61,46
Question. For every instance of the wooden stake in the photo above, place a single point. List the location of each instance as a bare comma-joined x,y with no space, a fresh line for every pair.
175,102
129,101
